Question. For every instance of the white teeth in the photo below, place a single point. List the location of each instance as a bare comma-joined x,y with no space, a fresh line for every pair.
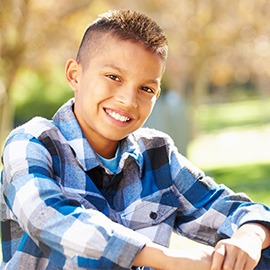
118,116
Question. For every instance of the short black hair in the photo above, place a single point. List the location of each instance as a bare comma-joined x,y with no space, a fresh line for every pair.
124,25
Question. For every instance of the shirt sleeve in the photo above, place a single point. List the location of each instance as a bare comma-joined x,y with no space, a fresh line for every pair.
208,211
61,227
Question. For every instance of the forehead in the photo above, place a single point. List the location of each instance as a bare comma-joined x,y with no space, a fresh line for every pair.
127,56
100,42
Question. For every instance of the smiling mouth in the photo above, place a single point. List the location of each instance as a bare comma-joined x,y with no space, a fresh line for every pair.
118,116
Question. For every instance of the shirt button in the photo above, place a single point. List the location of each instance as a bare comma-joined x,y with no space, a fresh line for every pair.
153,215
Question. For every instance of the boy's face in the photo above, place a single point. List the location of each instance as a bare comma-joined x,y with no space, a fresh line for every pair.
116,92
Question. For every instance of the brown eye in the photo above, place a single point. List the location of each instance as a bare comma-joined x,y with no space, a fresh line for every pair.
148,89
113,77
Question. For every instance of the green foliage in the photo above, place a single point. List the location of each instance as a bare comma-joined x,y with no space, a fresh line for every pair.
249,113
36,95
254,180
236,131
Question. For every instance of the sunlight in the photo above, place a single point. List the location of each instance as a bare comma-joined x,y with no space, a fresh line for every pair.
231,148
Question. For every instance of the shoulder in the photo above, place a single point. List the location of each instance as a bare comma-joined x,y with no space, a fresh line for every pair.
34,128
152,138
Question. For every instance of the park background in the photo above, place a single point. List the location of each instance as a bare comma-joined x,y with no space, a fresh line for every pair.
215,100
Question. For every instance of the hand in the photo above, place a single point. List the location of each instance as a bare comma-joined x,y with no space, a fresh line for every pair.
234,255
243,250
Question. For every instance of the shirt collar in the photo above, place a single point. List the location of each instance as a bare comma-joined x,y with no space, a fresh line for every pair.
130,148
66,122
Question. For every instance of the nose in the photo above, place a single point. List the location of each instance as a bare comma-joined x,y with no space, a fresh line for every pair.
128,96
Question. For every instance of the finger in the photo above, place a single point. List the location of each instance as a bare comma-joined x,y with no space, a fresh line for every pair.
250,265
244,262
230,259
218,257
240,264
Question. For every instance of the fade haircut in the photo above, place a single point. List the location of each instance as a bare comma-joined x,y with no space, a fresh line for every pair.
123,25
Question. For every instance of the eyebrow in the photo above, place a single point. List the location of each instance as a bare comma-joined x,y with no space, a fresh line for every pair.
115,67
151,81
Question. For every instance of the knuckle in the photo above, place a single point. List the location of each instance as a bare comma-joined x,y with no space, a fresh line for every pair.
225,267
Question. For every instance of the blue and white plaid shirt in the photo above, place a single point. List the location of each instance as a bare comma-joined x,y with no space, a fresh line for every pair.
62,209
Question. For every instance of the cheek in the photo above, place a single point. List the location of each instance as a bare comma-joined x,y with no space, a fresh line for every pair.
147,105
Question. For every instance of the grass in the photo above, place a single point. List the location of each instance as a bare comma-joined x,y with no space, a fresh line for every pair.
241,160
248,113
252,179
236,156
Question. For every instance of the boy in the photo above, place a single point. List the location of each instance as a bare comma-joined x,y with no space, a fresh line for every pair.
91,189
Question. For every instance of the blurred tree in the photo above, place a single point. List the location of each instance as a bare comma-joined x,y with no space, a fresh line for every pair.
37,35
212,43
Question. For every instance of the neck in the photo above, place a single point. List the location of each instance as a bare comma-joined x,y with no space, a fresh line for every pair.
107,153
106,150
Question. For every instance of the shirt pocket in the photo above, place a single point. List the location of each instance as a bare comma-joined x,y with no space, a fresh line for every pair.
150,210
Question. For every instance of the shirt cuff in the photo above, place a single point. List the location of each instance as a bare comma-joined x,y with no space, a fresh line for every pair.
122,251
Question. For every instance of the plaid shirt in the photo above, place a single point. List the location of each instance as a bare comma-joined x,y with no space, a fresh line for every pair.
54,216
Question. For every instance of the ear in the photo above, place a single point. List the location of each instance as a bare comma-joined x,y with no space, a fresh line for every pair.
72,72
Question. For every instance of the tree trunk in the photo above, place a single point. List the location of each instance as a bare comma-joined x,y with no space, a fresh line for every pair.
6,118
263,90
199,90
